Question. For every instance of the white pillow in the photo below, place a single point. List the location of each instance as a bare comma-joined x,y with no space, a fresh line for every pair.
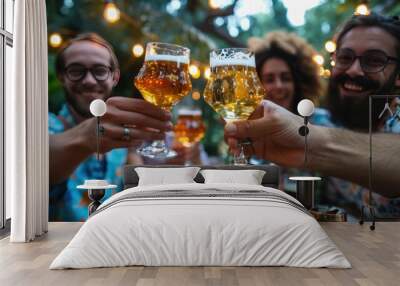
248,177
166,176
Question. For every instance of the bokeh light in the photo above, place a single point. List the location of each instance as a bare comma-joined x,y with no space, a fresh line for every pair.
207,73
55,40
194,71
318,59
111,13
137,50
330,46
362,9
196,95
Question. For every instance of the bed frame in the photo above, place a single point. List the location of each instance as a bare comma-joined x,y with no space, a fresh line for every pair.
270,179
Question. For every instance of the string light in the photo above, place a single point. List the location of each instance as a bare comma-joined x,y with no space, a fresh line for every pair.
55,40
194,71
137,50
111,13
330,46
207,73
321,71
333,63
196,95
327,73
318,59
213,4
362,9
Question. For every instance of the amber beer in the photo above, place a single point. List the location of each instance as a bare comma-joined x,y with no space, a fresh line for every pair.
163,80
234,89
189,128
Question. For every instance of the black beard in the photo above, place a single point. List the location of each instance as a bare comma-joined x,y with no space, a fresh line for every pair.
353,112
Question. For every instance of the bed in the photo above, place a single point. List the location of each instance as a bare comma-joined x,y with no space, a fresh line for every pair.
204,222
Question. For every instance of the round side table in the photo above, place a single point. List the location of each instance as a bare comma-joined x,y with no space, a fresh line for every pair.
305,190
95,194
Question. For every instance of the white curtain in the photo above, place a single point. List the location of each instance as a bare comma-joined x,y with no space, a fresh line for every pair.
26,124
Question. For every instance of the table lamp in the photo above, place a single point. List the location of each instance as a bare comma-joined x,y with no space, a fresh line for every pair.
305,108
98,108
96,188
305,185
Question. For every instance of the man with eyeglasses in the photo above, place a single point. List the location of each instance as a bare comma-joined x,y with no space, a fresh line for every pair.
366,63
88,69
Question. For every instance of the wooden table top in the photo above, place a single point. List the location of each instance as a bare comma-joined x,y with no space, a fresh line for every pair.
374,255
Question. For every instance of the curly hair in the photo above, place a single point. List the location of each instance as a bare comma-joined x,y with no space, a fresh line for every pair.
298,54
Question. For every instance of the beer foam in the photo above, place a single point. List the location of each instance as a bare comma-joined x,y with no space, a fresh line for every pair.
250,62
167,58
189,112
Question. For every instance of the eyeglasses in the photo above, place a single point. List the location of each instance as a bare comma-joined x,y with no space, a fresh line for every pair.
371,61
78,72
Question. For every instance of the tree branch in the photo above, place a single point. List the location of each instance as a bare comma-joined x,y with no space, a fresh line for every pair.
207,25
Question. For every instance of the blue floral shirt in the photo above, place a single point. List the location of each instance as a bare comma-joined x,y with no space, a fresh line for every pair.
344,193
338,191
67,203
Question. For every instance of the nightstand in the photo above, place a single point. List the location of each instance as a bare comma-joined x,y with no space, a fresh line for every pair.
305,189
96,191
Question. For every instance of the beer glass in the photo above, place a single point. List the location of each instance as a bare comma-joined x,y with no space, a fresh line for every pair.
189,128
163,80
234,89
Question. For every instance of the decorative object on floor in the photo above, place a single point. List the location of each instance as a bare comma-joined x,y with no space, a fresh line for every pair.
98,108
305,108
96,190
332,214
370,206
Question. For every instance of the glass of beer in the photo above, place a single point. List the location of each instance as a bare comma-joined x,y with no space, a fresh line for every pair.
189,128
234,89
163,80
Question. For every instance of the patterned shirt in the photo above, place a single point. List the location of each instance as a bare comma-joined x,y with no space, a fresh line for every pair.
349,195
67,203
338,191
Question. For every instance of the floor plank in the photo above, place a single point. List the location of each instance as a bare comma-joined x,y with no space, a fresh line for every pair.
374,255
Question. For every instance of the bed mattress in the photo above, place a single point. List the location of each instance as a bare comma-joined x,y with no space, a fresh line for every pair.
201,225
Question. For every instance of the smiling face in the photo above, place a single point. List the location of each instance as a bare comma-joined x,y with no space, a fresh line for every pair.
80,56
354,82
277,80
350,87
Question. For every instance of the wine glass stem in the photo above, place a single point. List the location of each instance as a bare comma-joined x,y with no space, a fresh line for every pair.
158,144
241,158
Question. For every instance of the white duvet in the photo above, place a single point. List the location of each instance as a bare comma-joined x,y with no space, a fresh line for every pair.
188,231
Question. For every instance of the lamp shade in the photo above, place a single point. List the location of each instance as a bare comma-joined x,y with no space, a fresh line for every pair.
98,107
305,107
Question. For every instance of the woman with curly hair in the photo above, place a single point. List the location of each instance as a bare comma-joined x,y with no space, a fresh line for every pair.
285,65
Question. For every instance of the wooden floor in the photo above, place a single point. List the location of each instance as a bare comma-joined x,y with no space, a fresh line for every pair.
375,257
